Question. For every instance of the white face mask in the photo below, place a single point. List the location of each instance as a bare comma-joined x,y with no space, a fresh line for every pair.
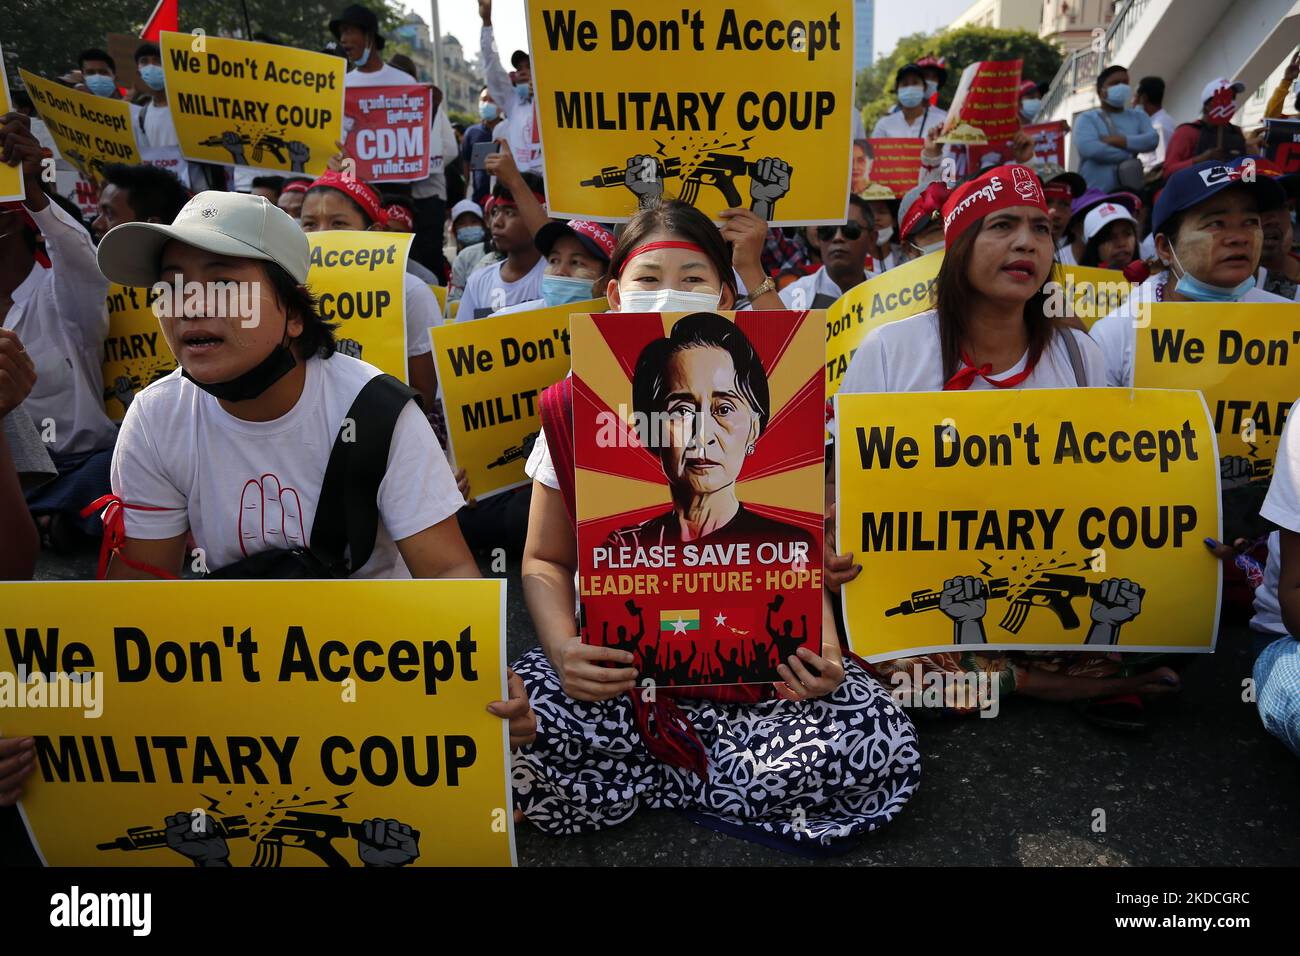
884,235
668,300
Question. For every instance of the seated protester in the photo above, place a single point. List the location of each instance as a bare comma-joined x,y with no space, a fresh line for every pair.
844,250
55,301
920,229
1210,237
1279,267
1110,237
517,277
142,193
1071,253
1277,601
467,224
253,412
291,196
591,737
467,219
1108,137
338,202
1061,188
400,213
1201,141
990,328
577,256
23,461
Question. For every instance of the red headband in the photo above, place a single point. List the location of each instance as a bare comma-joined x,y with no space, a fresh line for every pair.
1003,187
1059,191
663,244
297,186
398,214
355,190
926,205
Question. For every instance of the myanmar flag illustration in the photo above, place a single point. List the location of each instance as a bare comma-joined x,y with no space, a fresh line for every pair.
679,622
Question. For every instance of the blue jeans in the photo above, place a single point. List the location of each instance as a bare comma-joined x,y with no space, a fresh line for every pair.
1277,686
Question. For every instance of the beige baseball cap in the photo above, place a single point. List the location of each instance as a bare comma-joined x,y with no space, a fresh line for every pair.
229,224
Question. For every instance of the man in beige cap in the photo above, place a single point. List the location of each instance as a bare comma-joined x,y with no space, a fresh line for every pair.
233,445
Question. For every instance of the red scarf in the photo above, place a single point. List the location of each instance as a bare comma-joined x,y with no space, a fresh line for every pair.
965,376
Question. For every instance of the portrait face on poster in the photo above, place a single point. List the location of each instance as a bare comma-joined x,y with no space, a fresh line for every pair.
699,486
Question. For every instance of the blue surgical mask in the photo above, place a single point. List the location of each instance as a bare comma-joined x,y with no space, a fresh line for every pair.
931,87
1029,108
487,111
524,91
100,85
469,235
909,97
152,76
1198,291
365,58
1117,95
563,290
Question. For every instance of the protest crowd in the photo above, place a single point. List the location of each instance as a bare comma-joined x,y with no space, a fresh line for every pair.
234,449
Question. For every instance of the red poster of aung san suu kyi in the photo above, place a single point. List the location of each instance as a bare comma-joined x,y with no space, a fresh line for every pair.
700,489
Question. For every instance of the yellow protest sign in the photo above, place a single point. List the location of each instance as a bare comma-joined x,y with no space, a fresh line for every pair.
440,293
724,105
490,374
1034,519
89,131
1091,293
1239,356
135,352
240,103
359,280
12,186
901,292
281,720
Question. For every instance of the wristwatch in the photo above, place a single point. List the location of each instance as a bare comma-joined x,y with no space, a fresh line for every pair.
764,287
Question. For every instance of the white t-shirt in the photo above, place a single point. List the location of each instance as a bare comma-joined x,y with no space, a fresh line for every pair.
245,487
1117,335
893,125
485,289
386,75
61,316
528,306
1282,505
905,356
802,292
422,314
1065,253
1268,609
539,465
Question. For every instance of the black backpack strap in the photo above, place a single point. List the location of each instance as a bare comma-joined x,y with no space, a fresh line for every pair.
347,514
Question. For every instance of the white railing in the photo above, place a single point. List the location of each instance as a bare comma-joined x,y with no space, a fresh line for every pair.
1079,70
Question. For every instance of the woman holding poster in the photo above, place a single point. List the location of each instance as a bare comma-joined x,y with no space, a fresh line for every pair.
838,756
990,329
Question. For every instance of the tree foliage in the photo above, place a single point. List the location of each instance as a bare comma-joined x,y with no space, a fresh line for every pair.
875,87
45,36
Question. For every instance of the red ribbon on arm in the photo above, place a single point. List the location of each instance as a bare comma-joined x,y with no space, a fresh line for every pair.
111,509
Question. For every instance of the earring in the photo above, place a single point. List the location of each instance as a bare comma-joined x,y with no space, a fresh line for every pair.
750,450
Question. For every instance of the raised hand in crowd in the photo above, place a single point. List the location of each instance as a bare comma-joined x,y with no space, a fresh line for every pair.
747,232
19,146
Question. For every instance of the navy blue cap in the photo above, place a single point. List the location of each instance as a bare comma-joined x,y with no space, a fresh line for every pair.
1195,184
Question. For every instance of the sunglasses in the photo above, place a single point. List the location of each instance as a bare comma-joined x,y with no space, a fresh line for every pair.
852,232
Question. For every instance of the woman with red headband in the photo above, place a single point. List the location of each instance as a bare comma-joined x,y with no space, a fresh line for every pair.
990,329
839,757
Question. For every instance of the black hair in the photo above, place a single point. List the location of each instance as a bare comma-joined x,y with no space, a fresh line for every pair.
147,49
862,205
94,53
151,191
1152,88
317,338
699,330
866,147
1109,72
676,218
268,182
910,69
531,180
